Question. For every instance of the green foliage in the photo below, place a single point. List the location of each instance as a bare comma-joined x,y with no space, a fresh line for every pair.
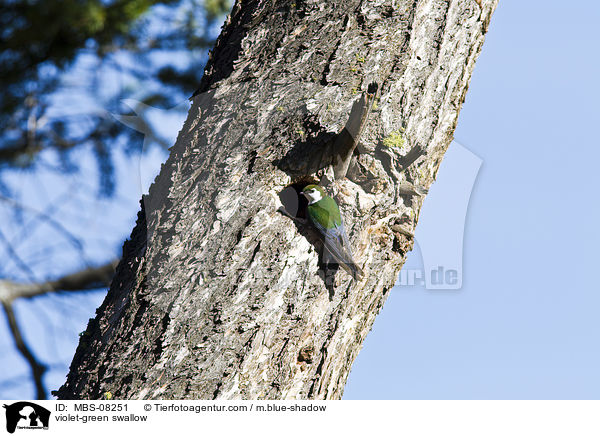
48,45
215,8
36,32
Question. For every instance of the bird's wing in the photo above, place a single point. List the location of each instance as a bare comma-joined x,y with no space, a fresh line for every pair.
336,242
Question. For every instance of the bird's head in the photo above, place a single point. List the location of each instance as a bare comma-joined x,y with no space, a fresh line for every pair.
313,193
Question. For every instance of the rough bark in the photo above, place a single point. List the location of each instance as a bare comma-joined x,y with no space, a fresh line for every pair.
221,296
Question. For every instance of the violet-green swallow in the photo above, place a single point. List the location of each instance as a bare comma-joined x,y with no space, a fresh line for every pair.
324,214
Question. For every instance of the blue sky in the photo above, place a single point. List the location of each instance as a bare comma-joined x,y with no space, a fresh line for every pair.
525,324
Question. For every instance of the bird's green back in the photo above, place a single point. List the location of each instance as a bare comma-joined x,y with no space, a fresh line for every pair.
325,212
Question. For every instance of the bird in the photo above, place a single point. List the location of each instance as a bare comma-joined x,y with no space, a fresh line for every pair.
324,214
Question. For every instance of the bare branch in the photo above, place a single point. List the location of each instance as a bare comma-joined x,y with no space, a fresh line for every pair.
37,369
346,141
88,278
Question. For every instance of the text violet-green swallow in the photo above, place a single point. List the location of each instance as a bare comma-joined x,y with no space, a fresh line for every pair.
324,214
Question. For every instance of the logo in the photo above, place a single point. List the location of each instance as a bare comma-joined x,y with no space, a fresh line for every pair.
26,415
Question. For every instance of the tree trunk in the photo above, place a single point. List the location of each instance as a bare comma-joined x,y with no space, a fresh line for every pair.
219,294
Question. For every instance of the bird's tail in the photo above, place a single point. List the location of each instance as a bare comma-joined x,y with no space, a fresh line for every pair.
354,270
347,264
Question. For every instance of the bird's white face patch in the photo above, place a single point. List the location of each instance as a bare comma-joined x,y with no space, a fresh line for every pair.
313,195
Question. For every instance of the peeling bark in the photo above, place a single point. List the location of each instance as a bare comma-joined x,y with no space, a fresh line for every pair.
218,294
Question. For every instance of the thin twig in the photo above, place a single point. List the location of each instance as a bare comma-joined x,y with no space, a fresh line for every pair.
45,216
16,258
37,369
